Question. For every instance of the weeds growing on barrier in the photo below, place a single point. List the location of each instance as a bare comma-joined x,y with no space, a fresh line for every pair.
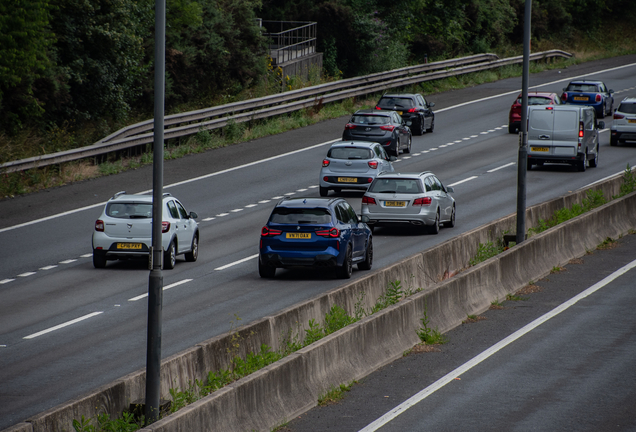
430,336
335,394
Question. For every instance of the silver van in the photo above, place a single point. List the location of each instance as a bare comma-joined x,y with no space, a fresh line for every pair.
563,134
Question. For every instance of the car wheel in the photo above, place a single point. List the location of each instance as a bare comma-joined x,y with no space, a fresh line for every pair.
324,191
194,251
451,222
99,260
613,141
170,257
422,127
582,165
529,165
368,258
512,129
408,146
434,229
345,270
430,130
266,271
603,111
594,162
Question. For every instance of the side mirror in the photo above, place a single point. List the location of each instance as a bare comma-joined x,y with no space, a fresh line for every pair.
431,104
601,125
193,215
450,189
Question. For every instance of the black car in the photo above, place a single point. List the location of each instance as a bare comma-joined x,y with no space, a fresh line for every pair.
384,127
413,108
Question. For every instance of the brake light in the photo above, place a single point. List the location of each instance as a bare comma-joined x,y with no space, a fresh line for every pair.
269,232
99,225
422,201
412,110
325,162
368,200
564,97
350,126
378,108
333,232
387,128
549,108
598,97
581,128
372,164
618,116
165,227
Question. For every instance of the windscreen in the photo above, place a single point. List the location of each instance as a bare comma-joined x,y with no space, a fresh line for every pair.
396,185
350,153
125,210
395,102
628,108
286,215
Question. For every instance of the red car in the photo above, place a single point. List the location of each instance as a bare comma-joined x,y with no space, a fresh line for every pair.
534,98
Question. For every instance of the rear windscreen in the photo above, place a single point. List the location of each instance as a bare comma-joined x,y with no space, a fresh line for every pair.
350,153
396,185
370,119
536,100
587,88
394,102
286,215
129,210
628,108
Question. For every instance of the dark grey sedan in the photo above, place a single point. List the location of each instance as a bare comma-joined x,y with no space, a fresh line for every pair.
385,127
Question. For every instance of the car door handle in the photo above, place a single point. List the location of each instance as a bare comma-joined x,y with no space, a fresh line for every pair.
544,137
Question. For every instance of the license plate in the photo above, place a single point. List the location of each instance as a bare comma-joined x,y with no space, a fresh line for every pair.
540,149
305,236
631,121
347,180
581,98
399,112
133,246
394,203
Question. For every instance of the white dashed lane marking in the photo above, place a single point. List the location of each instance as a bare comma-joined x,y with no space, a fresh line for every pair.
236,262
4,281
26,274
167,287
57,327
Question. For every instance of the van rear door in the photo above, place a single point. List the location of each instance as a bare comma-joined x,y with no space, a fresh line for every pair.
540,131
565,138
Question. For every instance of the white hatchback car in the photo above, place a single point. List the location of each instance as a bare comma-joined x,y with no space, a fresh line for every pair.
624,122
124,230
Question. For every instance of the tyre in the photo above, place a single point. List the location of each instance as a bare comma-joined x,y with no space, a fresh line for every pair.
421,127
170,257
512,129
99,260
582,165
408,146
529,165
594,162
451,222
324,191
368,258
430,130
266,271
613,141
603,111
194,251
345,270
434,229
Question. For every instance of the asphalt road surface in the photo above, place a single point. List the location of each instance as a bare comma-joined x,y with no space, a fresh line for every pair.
67,328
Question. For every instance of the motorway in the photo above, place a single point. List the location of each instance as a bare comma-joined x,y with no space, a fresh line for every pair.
67,328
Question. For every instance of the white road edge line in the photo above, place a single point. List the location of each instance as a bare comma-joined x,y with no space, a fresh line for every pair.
605,178
463,181
412,401
236,262
57,327
295,151
167,287
503,166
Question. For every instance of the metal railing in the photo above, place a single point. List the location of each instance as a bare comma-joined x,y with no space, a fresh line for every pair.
290,43
189,123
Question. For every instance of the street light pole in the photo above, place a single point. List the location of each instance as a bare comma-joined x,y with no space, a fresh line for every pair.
155,281
522,164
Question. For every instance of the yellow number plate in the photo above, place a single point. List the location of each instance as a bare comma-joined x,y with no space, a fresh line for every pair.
347,180
631,121
394,203
540,149
134,246
581,98
298,235
399,112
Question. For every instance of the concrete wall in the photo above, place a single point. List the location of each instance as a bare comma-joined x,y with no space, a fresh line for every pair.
301,66
292,385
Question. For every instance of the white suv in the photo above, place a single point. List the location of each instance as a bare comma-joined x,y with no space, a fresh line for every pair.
124,230
624,125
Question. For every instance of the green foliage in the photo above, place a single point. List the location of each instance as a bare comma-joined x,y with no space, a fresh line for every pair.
593,199
629,183
486,251
429,335
127,423
335,394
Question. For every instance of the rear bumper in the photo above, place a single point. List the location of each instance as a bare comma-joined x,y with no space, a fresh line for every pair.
332,182
536,159
621,134
285,260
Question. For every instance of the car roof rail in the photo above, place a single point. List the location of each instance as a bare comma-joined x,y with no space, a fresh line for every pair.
425,172
118,194
167,194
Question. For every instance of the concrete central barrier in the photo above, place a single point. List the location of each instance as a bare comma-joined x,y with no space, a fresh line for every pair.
451,290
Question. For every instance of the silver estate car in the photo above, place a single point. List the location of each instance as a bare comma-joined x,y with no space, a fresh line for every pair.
124,230
419,199
624,122
353,165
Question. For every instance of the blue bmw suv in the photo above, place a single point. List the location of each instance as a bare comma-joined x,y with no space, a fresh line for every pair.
315,232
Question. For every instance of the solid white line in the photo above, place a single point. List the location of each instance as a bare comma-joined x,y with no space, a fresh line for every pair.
412,401
503,166
463,181
605,178
237,262
57,327
167,287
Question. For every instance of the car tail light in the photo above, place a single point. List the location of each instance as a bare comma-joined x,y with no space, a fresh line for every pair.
269,232
350,126
549,108
581,128
422,201
325,162
387,128
598,97
165,227
368,200
564,97
618,116
372,164
378,108
332,232
99,225
412,110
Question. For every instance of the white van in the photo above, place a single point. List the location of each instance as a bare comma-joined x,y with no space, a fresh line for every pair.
563,134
